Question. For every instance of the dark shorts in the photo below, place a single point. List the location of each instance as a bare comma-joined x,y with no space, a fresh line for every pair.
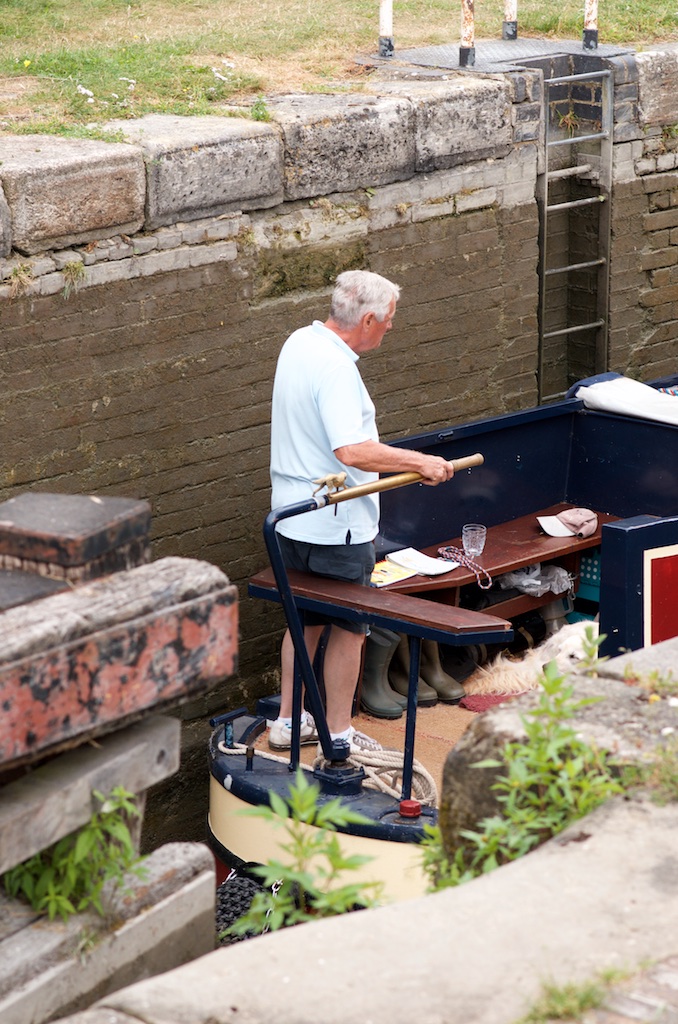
350,562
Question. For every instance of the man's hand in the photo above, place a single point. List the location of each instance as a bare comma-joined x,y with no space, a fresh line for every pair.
435,470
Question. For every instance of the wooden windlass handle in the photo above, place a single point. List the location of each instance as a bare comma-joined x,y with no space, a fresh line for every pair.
388,483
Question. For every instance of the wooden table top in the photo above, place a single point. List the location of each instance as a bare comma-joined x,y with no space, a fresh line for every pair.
511,545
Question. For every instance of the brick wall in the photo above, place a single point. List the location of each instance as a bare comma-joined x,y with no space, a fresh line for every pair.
644,287
160,388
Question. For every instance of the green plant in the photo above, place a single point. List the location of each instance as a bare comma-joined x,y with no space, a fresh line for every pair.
69,876
259,110
569,122
591,660
306,883
659,776
570,1001
549,779
68,130
74,276
657,684
20,279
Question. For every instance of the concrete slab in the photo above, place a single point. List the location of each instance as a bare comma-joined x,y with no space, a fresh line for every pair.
5,227
599,896
657,95
203,166
48,969
458,121
659,660
340,143
66,191
498,55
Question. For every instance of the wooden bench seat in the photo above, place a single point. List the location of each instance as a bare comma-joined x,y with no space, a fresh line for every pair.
402,613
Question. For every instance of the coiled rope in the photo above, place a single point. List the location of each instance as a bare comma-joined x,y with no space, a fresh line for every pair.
383,771
452,554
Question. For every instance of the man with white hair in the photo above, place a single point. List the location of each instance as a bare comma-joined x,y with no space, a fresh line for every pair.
323,421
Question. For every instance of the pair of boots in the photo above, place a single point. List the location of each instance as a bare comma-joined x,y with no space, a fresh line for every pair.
386,676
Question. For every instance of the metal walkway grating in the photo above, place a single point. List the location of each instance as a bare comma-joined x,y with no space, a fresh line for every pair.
493,55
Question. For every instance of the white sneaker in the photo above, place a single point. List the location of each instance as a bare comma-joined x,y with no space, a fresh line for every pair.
359,743
280,736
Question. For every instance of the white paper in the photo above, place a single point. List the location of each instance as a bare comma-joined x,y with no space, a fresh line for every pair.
410,558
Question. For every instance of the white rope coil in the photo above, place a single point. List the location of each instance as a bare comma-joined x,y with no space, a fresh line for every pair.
383,771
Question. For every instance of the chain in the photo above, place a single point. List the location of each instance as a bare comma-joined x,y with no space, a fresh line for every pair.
275,889
483,578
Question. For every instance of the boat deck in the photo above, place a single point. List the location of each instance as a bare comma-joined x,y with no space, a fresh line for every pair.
438,730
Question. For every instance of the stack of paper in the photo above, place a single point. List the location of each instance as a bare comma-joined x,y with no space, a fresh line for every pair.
386,572
423,565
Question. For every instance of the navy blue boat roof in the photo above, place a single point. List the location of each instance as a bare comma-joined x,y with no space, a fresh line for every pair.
535,458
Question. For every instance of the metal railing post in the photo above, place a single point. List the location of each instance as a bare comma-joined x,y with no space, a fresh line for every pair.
386,47
467,49
509,29
590,37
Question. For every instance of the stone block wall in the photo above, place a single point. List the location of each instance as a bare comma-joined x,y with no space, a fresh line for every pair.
147,286
141,363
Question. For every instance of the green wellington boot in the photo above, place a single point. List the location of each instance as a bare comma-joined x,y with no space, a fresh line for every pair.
448,689
399,676
376,696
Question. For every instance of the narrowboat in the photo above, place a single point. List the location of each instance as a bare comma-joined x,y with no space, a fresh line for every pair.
609,445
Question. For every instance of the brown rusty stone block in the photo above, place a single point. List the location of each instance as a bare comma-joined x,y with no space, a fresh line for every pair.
40,532
107,678
18,587
88,660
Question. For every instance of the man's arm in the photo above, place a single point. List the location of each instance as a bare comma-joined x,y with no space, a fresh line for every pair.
375,457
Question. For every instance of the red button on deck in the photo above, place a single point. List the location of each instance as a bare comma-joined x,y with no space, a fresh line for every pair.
410,808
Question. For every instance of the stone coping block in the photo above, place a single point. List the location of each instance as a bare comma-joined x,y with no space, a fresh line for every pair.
619,719
70,529
66,191
203,166
599,895
339,143
657,93
5,227
458,121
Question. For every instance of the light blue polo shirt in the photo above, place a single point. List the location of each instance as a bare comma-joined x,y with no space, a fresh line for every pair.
320,404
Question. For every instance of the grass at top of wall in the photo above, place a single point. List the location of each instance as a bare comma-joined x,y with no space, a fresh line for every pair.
80,62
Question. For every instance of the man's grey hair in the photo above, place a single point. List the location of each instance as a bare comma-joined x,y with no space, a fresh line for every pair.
358,292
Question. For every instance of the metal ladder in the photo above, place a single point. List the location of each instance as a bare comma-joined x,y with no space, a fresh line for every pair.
594,169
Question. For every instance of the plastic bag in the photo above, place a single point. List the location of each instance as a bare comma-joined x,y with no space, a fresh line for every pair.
536,581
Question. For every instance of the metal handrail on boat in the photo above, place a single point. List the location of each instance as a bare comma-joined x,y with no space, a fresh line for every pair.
336,751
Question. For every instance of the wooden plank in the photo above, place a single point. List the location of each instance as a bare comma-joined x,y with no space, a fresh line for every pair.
384,602
56,798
